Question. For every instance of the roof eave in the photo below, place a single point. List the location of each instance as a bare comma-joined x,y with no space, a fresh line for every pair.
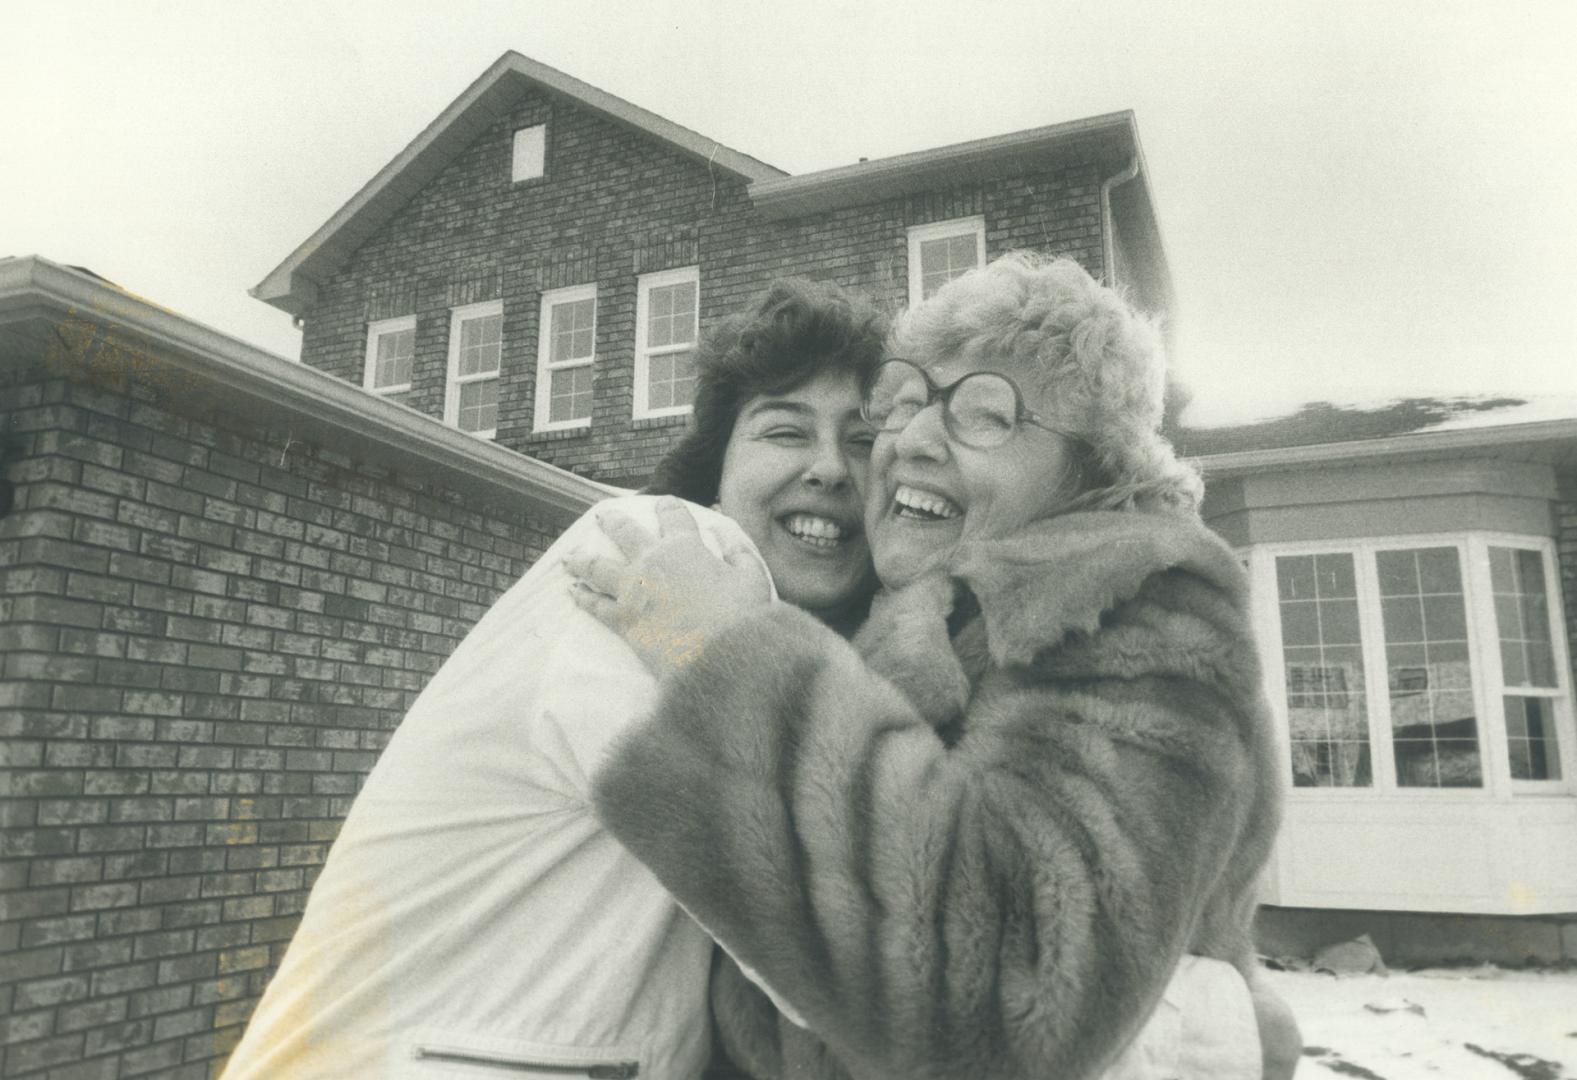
999,155
1242,462
318,407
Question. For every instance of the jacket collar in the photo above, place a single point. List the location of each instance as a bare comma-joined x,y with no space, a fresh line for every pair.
1060,575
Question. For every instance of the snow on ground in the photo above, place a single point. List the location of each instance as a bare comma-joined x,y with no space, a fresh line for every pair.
1483,1023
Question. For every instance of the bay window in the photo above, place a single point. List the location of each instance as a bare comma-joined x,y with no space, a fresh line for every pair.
1419,664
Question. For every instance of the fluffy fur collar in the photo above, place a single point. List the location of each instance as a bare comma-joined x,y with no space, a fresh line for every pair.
1061,575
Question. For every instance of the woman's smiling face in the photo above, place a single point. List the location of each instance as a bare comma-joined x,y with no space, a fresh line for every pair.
794,476
928,492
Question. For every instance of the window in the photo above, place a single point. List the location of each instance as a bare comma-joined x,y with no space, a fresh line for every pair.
667,310
566,350
1527,662
476,346
1421,665
942,251
391,355
530,153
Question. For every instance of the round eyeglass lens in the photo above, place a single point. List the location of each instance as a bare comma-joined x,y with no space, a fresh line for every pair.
897,394
983,409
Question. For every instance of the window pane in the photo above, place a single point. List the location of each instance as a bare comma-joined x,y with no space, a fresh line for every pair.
396,351
569,395
479,405
1522,617
672,380
570,334
945,258
1322,657
1434,729
1530,735
481,343
671,311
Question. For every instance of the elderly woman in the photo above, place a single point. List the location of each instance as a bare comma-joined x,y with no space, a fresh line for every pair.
980,841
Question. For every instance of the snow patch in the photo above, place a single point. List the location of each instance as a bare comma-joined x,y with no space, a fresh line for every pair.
1483,1023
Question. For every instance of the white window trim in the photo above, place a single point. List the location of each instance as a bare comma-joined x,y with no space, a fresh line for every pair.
1560,695
936,230
545,365
1483,652
515,176
455,380
644,286
370,363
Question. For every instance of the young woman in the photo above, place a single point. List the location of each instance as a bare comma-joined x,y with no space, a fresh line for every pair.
473,918
987,839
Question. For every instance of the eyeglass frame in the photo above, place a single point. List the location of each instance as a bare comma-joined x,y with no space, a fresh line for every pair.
1022,415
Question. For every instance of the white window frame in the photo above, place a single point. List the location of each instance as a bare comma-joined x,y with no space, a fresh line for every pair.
528,153
1483,656
939,230
643,355
457,317
369,373
1560,695
545,365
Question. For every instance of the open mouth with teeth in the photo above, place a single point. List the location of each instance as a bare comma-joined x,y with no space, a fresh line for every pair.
917,505
815,530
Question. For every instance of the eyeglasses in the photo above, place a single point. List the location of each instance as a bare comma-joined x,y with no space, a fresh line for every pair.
981,410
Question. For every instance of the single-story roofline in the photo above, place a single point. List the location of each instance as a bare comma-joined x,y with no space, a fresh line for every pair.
84,326
291,285
1550,441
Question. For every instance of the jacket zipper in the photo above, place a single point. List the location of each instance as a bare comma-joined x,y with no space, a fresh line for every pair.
618,1070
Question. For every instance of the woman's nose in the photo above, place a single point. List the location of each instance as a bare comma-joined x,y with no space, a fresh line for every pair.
924,436
829,465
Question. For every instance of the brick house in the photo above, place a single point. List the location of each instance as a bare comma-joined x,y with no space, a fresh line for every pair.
537,265
224,576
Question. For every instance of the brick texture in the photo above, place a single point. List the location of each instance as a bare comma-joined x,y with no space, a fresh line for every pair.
615,204
206,640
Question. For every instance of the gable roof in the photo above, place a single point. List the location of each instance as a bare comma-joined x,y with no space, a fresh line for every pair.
291,284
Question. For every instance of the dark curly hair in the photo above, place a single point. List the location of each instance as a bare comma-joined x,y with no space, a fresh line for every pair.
793,332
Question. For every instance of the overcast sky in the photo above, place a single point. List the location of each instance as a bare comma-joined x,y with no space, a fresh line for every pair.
1357,199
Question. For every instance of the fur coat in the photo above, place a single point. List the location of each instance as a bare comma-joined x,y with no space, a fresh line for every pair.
976,842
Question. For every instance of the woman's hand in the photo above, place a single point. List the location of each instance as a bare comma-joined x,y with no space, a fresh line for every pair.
668,593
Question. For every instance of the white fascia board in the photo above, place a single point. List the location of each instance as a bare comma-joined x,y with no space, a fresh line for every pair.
1428,442
867,181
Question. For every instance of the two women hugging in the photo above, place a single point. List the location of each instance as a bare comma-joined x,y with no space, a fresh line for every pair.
944,722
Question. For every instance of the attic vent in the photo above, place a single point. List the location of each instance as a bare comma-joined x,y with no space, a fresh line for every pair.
530,153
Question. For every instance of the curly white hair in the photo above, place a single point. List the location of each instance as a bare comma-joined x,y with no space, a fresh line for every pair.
1100,365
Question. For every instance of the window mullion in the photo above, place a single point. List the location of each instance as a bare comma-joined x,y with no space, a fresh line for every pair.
1484,649
1376,683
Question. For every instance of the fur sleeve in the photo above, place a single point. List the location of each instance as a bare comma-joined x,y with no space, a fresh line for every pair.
1009,906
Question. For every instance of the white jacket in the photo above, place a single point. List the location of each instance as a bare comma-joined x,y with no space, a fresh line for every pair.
472,909
474,920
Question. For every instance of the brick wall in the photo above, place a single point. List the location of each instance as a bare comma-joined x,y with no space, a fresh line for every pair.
615,204
207,637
